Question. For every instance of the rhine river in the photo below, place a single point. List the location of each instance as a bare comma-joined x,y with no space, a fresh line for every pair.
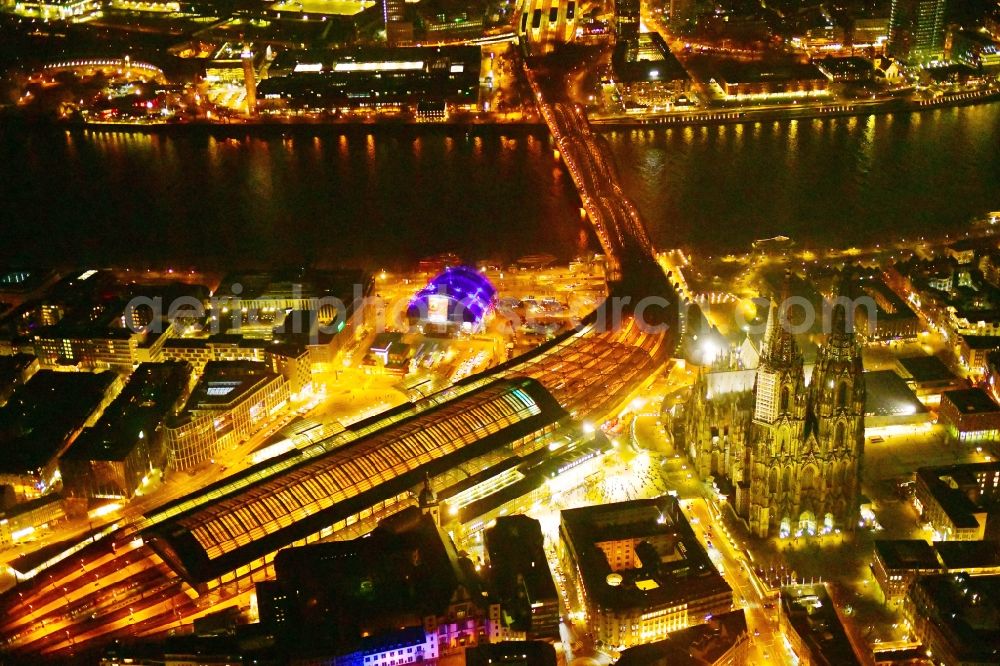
395,195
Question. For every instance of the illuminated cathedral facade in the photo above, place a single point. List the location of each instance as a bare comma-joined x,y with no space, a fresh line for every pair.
788,450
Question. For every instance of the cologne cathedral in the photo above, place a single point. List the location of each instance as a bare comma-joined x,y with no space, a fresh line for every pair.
788,451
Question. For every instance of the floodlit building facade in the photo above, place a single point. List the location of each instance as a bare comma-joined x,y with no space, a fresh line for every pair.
233,400
641,570
790,451
916,31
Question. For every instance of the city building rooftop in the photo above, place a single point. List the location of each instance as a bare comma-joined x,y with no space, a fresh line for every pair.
923,369
150,394
886,394
343,592
956,555
511,653
906,554
737,71
42,415
287,284
518,566
966,609
680,569
948,485
224,383
851,66
971,401
811,614
694,646
651,61
25,507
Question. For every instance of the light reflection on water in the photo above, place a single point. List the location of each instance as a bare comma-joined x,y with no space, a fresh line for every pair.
823,181
365,198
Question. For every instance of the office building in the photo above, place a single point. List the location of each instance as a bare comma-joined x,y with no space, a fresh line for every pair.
232,401
520,576
398,31
870,32
916,31
899,562
627,19
734,80
956,617
976,49
722,641
956,502
94,348
292,361
374,78
511,653
23,520
42,419
56,10
893,318
648,76
115,456
970,415
973,351
15,371
641,570
810,623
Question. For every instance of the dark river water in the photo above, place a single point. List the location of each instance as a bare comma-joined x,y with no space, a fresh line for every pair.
392,196
834,181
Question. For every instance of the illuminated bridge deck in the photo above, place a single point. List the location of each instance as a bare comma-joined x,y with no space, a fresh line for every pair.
383,467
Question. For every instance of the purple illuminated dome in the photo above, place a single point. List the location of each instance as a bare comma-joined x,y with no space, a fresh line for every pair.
459,296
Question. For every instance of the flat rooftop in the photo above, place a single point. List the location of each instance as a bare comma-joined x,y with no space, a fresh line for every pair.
44,413
811,613
11,367
322,7
682,573
926,369
736,71
225,383
886,394
148,397
906,554
968,609
653,61
979,342
403,571
949,486
517,562
968,554
941,555
971,401
694,646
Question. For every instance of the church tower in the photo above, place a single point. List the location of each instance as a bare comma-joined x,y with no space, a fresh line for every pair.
778,428
837,423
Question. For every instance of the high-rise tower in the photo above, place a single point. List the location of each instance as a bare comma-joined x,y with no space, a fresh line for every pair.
916,31
627,17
